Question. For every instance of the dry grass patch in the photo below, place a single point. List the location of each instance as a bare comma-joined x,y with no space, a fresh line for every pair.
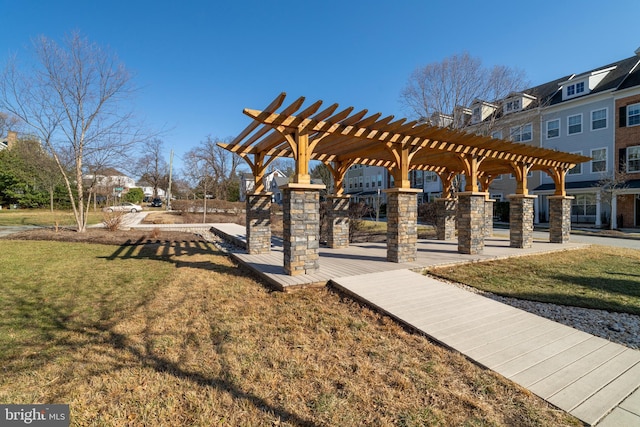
197,342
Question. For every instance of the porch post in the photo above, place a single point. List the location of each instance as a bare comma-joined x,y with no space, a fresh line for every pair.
402,224
258,214
338,221
521,220
559,218
301,227
471,222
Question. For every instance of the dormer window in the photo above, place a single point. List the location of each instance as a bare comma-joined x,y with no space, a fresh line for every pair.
583,84
513,105
517,102
481,110
476,115
575,89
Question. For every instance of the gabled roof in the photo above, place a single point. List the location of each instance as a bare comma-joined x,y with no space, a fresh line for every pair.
612,81
108,172
280,181
633,79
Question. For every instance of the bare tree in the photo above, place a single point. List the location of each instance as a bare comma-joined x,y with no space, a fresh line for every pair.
222,165
7,123
440,89
72,96
152,166
198,172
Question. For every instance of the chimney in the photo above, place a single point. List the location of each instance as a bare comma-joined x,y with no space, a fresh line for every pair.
12,137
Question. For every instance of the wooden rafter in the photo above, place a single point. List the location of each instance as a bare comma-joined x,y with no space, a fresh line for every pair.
345,137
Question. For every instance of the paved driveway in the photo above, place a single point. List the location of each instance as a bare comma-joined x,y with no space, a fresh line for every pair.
5,231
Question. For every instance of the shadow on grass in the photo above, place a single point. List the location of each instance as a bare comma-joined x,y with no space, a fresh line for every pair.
172,251
57,332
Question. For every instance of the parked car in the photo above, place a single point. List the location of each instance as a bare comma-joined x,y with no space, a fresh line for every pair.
156,203
124,207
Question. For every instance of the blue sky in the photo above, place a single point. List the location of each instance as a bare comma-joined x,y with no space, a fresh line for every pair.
199,63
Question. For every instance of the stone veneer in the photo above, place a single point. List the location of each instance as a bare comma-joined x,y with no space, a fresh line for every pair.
446,219
559,218
488,217
402,224
301,228
521,220
338,221
258,216
471,222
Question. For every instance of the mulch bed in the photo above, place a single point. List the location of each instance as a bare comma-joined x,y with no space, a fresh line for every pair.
105,237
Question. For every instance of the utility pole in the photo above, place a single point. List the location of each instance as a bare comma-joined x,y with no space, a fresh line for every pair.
170,174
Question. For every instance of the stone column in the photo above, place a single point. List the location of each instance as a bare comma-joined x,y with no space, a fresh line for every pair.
301,228
402,224
559,218
446,219
258,216
521,220
338,221
488,217
471,221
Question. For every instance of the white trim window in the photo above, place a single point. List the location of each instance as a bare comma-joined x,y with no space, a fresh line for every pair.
599,162
575,89
496,134
633,159
577,169
574,124
522,133
553,128
633,115
599,119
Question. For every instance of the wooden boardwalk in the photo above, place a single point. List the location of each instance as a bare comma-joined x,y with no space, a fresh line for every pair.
582,374
593,379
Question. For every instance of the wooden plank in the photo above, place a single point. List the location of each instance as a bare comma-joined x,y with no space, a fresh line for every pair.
584,387
605,399
562,378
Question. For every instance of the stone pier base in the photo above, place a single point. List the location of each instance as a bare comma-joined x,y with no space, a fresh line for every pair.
301,228
559,218
471,221
402,224
521,220
488,217
446,219
258,216
338,221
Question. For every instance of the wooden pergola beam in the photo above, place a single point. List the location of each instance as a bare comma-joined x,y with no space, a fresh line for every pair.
345,136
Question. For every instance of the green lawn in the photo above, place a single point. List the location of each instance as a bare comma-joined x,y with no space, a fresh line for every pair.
44,217
598,277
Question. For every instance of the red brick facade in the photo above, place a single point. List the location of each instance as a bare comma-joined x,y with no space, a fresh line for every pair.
627,136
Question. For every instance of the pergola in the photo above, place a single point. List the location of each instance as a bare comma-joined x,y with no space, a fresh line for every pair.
341,138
